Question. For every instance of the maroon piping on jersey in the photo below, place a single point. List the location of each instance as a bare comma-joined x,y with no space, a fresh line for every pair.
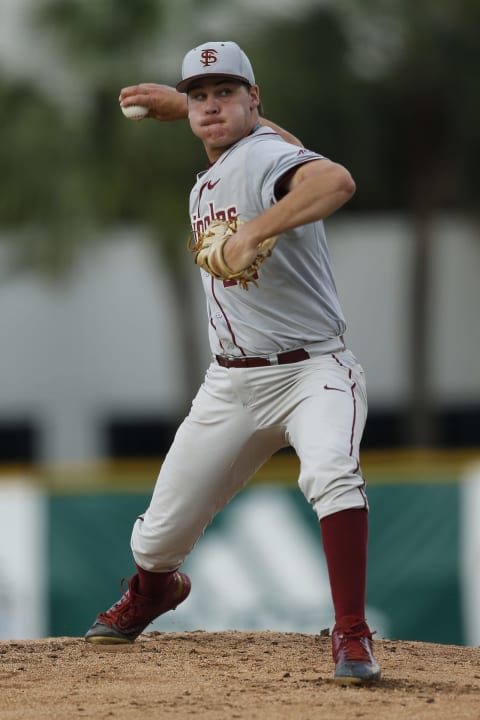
200,193
232,334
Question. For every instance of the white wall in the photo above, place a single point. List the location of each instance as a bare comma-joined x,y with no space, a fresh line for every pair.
107,339
23,558
373,260
103,341
456,308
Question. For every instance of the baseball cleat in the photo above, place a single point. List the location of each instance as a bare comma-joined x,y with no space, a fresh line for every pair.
352,654
130,615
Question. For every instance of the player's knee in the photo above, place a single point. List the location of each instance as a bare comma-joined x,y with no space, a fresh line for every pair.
334,484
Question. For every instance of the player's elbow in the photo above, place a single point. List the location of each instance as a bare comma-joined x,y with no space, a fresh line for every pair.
345,183
351,186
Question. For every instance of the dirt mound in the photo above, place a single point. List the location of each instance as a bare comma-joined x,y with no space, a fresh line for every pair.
245,675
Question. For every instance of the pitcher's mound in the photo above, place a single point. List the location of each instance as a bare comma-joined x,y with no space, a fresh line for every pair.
224,675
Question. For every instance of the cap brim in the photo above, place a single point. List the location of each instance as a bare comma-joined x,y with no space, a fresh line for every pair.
184,85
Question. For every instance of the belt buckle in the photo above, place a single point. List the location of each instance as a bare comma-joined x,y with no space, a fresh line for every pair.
273,359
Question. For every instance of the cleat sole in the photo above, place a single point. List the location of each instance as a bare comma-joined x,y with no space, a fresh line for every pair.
107,640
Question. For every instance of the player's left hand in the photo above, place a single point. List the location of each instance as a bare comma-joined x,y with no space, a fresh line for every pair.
229,251
239,251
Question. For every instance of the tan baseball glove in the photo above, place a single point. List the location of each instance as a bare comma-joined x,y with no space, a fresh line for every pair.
208,252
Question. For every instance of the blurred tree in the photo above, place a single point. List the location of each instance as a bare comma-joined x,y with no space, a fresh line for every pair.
38,157
385,87
429,100
135,171
138,173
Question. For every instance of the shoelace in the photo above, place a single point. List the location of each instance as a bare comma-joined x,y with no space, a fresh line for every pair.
356,644
119,607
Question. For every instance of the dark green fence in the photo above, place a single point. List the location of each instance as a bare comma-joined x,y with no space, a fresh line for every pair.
413,570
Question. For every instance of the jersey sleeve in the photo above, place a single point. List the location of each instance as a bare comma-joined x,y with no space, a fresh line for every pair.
275,161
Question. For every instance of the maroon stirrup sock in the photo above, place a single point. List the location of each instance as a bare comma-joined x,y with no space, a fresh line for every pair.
152,584
345,537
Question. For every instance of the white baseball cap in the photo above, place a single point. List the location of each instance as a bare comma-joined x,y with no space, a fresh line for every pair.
224,59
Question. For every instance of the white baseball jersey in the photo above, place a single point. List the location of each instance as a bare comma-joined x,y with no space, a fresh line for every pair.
295,303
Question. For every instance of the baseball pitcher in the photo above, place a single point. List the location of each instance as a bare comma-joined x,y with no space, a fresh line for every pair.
280,373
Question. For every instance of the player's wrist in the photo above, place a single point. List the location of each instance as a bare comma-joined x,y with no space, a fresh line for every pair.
254,233
178,106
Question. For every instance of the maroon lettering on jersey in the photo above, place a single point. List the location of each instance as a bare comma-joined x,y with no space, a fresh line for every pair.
200,224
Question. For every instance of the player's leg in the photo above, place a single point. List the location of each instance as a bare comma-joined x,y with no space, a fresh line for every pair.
325,429
215,452
189,494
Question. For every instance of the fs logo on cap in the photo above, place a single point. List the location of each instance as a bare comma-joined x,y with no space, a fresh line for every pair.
208,57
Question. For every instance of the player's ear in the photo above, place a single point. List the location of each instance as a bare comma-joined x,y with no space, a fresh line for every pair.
254,97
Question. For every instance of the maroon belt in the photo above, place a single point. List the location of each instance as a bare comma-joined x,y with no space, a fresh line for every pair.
291,356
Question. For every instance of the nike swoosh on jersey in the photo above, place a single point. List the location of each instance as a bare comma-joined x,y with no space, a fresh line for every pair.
327,387
211,185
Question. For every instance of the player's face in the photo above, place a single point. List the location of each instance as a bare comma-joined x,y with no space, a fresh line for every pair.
221,112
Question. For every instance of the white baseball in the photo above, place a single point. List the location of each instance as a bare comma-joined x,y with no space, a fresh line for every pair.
134,112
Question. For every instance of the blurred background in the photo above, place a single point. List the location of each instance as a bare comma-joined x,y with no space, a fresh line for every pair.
102,326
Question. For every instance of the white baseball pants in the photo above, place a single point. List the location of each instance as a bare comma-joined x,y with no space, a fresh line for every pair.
238,420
